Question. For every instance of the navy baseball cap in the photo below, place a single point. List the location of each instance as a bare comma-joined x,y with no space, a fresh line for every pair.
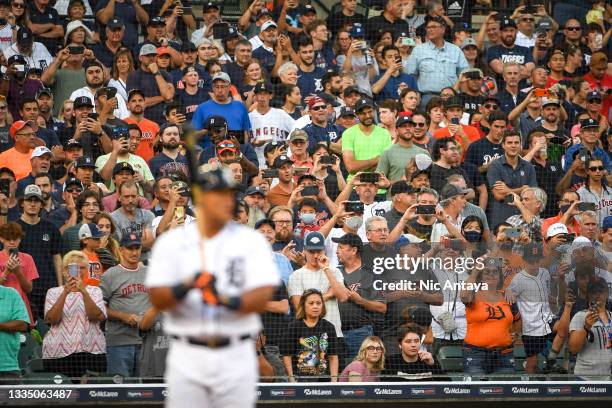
90,230
17,59
72,181
314,241
130,240
506,22
346,111
255,190
262,86
114,23
188,46
216,122
82,101
119,167
280,160
363,103
589,123
402,120
215,180
593,95
357,31
84,162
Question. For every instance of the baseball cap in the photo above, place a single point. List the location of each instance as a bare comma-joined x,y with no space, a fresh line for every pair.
589,123
215,180
72,181
216,122
188,46
351,89
262,12
400,187
255,190
268,24
268,147
453,102
314,100
402,120
468,42
148,49
221,76
90,230
450,191
346,111
607,223
33,191
135,92
593,95
82,101
17,59
17,126
462,26
280,160
84,162
210,5
556,229
308,8
581,242
73,142
505,22
314,241
44,91
473,71
41,151
163,51
550,101
119,167
24,36
545,24
130,240
232,32
189,69
598,59
357,31
350,239
363,103
329,99
157,21
262,86
298,134
114,23
226,144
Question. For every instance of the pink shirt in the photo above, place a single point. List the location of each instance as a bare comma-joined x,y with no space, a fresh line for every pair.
75,333
358,367
110,203
28,269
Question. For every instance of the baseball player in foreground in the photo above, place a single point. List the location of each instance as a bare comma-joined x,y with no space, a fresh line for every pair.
211,278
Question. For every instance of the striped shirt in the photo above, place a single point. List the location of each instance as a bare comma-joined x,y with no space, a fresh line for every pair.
436,68
603,203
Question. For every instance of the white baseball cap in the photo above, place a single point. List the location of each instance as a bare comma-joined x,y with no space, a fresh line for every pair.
39,151
556,229
267,25
581,242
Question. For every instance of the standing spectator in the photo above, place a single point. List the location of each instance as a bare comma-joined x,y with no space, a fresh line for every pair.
155,84
281,193
107,51
263,45
127,301
136,105
13,321
463,134
130,12
392,19
346,16
393,161
17,269
133,220
510,97
320,129
389,83
600,81
310,350
88,204
595,190
17,158
484,151
46,25
589,140
15,85
75,343
426,61
64,75
507,51
35,54
506,175
122,172
169,160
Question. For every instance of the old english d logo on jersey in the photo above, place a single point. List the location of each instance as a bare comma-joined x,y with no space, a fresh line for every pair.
235,272
495,313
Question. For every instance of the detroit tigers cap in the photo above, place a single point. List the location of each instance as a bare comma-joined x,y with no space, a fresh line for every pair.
357,31
255,190
130,240
589,123
40,151
314,241
157,21
402,120
82,101
90,230
72,181
17,59
72,143
308,8
262,12
123,166
607,223
84,162
210,5
506,22
262,86
593,95
216,121
280,160
114,23
346,111
24,36
363,103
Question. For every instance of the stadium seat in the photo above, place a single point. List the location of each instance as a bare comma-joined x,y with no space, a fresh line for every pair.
451,358
35,366
30,350
45,378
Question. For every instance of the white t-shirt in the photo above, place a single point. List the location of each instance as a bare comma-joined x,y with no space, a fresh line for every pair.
274,126
378,208
155,223
41,58
121,112
6,37
240,259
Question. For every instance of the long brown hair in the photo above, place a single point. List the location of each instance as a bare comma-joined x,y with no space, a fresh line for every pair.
301,309
122,52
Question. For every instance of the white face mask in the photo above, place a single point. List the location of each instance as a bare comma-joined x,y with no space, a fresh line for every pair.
308,218
354,222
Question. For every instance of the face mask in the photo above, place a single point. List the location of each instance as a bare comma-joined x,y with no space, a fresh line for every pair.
472,236
354,222
308,218
505,246
564,208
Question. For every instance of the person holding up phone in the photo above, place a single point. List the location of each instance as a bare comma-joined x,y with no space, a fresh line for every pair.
392,80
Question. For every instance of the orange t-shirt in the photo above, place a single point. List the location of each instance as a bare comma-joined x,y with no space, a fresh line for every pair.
149,131
547,222
488,324
470,131
95,269
18,162
278,196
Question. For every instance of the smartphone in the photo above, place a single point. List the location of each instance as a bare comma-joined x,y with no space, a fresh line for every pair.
585,207
541,92
76,49
5,187
598,41
354,206
509,199
73,270
93,115
426,209
13,251
220,30
398,59
541,34
454,244
594,306
583,154
111,92
181,110
327,159
369,178
569,238
20,68
454,121
298,171
312,191
270,173
179,212
512,232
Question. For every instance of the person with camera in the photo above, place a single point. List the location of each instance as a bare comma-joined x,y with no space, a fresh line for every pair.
15,86
360,60
392,80
588,146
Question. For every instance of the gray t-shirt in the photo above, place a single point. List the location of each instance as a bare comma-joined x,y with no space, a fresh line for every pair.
595,358
154,350
142,220
124,290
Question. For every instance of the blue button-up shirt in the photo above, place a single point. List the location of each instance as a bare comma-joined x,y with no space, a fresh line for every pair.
436,68
597,152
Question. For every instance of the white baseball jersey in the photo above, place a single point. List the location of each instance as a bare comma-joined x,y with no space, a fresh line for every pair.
377,208
240,259
6,37
40,58
274,126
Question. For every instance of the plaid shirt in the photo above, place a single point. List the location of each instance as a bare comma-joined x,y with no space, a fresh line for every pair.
534,228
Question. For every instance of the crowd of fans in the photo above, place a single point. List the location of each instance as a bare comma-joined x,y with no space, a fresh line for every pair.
425,185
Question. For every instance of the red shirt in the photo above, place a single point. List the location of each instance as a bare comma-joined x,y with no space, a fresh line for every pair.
604,86
470,131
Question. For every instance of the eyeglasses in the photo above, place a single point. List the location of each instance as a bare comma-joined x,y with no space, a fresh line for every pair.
18,5
432,27
380,230
595,101
74,190
284,222
26,134
374,348
317,108
490,106
529,20
573,28
419,124
597,168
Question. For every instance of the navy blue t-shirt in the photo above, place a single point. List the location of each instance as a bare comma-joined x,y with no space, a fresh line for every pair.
310,82
325,58
191,102
266,58
127,14
482,151
162,165
318,134
391,89
518,54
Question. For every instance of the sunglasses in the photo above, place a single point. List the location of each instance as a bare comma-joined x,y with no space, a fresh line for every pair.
226,146
490,106
595,101
18,5
531,20
74,190
317,108
597,168
419,124
573,28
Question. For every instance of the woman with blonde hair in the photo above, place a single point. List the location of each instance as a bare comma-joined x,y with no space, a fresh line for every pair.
75,343
123,65
368,364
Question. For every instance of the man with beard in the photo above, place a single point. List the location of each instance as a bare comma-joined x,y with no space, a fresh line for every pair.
169,160
550,126
44,97
394,160
88,130
122,173
136,105
470,90
242,55
94,78
269,124
309,75
507,51
446,161
281,193
15,86
320,130
332,86
120,153
268,36
286,241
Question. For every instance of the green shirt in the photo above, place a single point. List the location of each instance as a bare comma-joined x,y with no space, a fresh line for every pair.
365,147
393,161
138,164
11,308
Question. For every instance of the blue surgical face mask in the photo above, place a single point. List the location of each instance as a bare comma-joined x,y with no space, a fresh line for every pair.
354,222
308,218
472,236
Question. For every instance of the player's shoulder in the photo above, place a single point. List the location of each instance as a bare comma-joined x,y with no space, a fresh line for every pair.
177,237
234,230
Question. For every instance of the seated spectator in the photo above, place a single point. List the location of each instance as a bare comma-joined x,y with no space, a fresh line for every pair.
368,363
413,363
75,343
310,349
14,320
